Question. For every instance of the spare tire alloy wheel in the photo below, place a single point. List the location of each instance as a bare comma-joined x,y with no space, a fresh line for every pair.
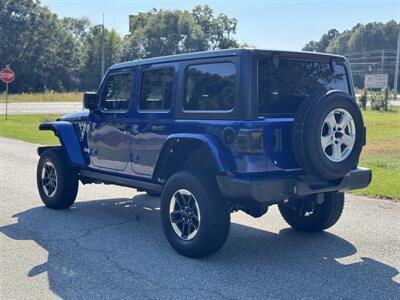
49,179
328,135
184,214
338,135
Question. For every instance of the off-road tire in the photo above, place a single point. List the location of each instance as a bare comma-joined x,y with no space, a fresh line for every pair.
214,209
67,179
306,135
324,216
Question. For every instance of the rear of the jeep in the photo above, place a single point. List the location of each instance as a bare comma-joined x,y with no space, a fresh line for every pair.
292,138
306,136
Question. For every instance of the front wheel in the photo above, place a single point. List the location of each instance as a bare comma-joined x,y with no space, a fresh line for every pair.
195,217
57,182
312,213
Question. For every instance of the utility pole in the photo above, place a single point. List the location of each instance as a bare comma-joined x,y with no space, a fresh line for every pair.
382,60
102,48
396,71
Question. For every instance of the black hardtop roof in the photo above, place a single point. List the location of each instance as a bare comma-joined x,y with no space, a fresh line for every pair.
219,53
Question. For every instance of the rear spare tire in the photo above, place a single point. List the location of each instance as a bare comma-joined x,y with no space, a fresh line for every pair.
328,135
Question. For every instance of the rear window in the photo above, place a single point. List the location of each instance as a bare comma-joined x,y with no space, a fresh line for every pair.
156,89
284,84
210,87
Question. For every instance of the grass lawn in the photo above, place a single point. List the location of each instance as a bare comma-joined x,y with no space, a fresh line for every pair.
25,128
43,97
381,154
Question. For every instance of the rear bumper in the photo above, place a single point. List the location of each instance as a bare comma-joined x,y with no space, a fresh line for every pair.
274,190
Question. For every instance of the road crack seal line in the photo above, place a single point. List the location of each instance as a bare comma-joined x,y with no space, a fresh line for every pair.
109,258
102,227
86,233
159,285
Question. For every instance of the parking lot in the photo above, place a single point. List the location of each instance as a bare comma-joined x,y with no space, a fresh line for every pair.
111,245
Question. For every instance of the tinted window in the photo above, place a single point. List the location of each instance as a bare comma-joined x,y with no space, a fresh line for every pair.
156,91
210,87
116,92
284,85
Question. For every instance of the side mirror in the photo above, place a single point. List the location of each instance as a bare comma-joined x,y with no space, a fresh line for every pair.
90,100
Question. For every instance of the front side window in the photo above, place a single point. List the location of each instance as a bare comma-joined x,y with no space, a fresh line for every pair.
117,92
210,87
156,89
284,85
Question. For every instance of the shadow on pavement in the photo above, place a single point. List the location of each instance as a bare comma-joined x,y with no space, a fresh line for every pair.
116,249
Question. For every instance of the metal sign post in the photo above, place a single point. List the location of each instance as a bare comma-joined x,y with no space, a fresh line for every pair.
7,76
6,100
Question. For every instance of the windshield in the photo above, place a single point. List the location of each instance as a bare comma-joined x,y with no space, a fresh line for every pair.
285,83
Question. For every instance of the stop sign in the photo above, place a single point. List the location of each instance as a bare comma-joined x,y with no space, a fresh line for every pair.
7,75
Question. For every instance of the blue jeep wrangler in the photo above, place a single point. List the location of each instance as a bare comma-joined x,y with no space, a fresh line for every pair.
213,133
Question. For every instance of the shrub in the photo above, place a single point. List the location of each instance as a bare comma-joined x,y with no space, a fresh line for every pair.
362,100
379,100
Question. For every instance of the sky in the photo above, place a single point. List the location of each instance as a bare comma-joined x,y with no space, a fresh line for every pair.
269,24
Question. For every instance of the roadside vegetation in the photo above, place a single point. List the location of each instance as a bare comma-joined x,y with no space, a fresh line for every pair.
43,97
64,54
25,128
382,153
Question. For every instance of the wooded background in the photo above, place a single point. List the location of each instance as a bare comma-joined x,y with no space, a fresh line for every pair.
64,54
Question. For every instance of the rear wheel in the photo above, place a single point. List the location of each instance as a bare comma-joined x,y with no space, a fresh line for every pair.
195,217
312,214
57,182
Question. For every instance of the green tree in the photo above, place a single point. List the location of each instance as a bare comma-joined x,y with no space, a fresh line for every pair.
38,47
91,71
217,31
371,36
323,43
78,27
165,32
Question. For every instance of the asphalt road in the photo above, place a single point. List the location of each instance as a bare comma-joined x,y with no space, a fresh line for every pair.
40,107
111,245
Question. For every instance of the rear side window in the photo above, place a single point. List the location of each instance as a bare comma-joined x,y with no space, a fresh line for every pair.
283,86
156,89
210,87
116,92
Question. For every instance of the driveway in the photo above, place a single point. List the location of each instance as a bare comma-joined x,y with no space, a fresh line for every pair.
110,245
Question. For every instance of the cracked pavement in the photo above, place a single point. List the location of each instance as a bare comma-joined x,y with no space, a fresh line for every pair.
110,244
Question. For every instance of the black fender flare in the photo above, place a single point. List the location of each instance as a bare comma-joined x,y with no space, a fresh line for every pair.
174,140
69,141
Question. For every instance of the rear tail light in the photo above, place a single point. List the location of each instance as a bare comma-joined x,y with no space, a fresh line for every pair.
250,141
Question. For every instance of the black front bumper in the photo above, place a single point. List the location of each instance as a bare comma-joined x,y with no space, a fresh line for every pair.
276,189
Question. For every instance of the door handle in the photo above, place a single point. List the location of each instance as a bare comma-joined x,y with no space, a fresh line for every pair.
158,128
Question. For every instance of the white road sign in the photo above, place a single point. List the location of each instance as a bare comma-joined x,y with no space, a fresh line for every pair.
376,81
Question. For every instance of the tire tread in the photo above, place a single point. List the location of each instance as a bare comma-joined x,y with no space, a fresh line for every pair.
332,209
